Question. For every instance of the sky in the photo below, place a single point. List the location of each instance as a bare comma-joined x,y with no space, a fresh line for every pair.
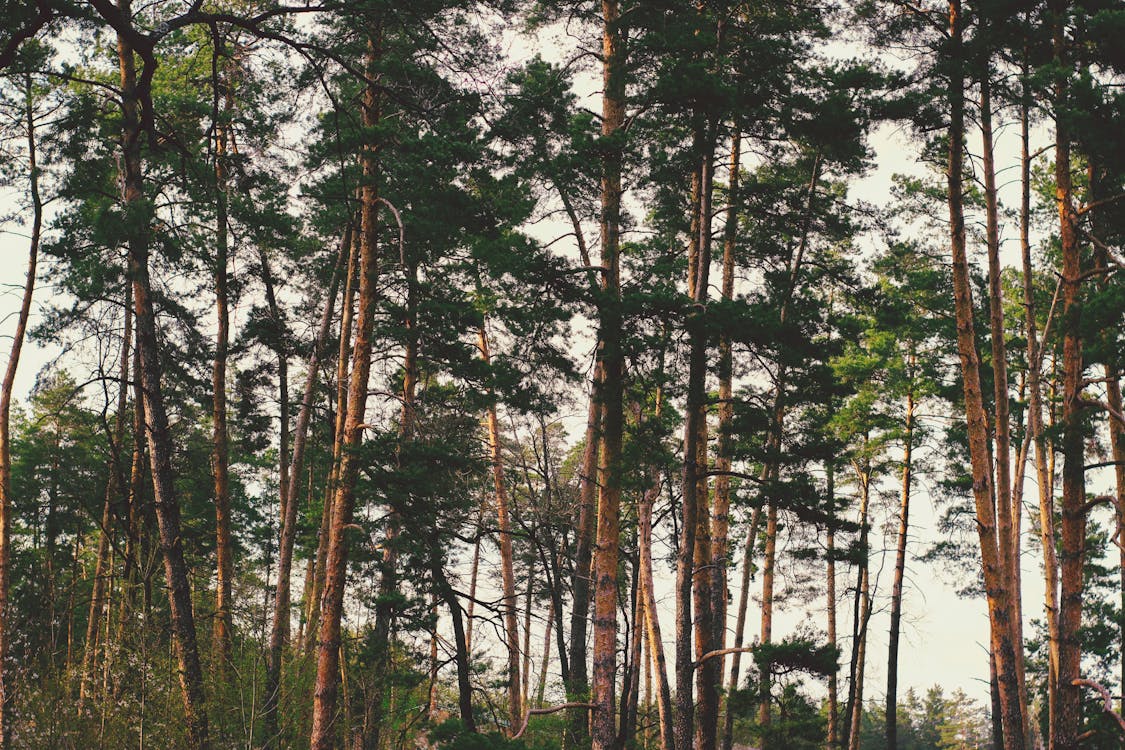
944,638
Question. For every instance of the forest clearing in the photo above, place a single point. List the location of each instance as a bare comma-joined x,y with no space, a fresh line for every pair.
527,375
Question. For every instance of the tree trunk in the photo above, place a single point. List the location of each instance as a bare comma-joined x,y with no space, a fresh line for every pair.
1008,507
994,563
720,521
220,446
102,565
312,598
289,522
160,447
328,639
1035,416
652,618
5,437
740,624
577,688
833,679
603,685
507,557
863,594
542,686
900,567
1072,550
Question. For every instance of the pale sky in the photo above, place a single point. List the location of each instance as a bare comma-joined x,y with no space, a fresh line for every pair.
944,637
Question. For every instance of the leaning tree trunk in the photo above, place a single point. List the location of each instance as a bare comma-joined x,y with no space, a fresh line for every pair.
323,732
312,597
900,566
160,448
289,521
5,438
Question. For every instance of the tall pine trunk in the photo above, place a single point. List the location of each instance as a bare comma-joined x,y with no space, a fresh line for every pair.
603,730
160,448
507,557
5,437
994,564
323,732
281,613
900,566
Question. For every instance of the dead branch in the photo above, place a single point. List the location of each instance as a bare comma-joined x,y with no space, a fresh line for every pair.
1107,705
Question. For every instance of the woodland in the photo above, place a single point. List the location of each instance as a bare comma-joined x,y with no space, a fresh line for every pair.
511,375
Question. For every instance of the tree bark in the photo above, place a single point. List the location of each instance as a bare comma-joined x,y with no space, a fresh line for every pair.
220,444
1035,350
652,618
507,557
1072,549
5,437
312,598
322,736
603,730
160,448
900,567
1008,506
281,612
993,561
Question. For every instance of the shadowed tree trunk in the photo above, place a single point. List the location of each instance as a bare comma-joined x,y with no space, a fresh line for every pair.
900,567
5,419
158,434
102,565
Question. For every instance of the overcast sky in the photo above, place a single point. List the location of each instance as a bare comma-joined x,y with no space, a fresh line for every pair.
944,636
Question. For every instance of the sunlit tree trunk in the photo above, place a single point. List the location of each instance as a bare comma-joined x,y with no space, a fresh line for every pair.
994,563
507,557
313,596
323,733
603,729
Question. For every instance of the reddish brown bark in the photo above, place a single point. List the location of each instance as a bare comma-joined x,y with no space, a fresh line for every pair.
281,612
1073,539
994,564
220,445
159,437
507,557
312,596
603,730
323,733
